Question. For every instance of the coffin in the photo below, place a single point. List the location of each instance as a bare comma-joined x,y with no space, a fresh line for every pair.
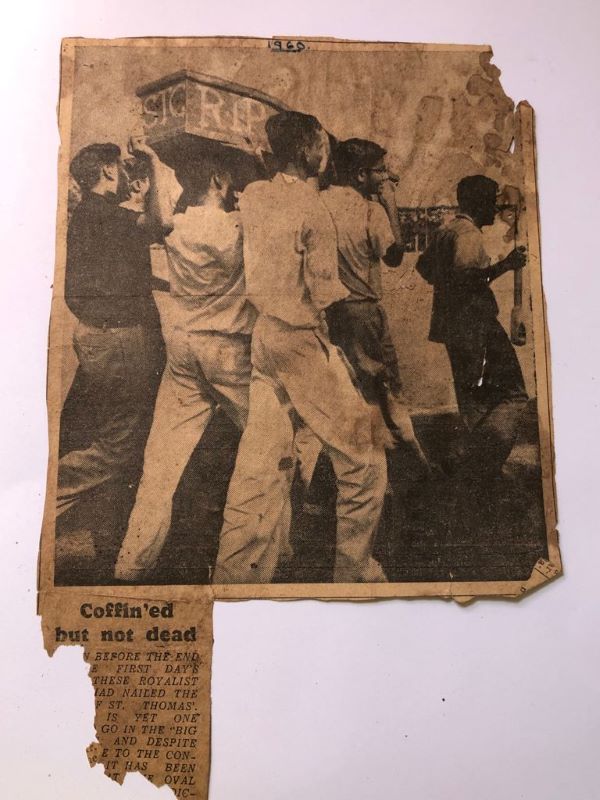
187,115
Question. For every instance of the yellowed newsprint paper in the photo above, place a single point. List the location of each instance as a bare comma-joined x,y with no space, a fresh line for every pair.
297,350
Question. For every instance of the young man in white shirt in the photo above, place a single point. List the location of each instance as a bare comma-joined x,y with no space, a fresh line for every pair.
208,357
365,214
291,268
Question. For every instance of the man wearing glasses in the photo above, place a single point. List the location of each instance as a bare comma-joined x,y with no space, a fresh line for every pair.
365,214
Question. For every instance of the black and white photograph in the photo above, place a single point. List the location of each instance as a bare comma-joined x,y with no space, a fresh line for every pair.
298,334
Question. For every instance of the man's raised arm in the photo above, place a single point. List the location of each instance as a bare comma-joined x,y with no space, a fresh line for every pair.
395,253
158,216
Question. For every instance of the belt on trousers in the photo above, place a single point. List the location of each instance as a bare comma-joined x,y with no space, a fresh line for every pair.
106,328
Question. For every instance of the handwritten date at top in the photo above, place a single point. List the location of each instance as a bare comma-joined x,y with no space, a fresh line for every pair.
287,45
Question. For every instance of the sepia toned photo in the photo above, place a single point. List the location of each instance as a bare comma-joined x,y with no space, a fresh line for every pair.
298,344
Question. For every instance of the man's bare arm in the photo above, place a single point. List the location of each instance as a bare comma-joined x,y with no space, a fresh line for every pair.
395,253
158,216
516,259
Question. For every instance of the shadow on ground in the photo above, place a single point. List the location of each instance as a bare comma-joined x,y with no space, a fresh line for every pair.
431,530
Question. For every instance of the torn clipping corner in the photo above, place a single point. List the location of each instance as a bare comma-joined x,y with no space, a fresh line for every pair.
149,664
298,349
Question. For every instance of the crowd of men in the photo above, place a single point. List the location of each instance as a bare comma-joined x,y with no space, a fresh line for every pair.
276,295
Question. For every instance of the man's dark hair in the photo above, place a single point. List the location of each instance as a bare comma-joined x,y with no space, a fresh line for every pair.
474,191
353,155
290,131
196,178
87,165
137,169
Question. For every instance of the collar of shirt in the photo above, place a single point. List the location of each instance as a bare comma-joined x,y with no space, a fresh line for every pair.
95,197
286,177
462,215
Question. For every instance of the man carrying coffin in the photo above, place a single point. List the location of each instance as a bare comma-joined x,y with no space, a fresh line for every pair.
208,355
118,342
291,268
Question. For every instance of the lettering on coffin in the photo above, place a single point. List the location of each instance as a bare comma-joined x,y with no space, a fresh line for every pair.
228,114
165,106
209,110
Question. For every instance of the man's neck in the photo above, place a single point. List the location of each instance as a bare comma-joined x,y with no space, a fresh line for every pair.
470,217
296,171
357,189
135,203
103,189
212,200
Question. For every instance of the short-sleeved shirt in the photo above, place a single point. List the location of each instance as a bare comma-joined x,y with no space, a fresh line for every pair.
456,263
364,235
108,278
290,251
206,271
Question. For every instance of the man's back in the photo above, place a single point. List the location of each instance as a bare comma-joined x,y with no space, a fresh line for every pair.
206,270
364,235
108,273
454,264
290,250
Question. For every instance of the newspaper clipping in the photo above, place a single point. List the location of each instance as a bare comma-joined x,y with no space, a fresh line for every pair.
297,350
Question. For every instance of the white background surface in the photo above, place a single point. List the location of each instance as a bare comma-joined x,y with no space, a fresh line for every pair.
415,699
